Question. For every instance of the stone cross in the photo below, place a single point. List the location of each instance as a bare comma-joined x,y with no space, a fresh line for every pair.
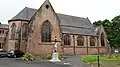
56,44
55,47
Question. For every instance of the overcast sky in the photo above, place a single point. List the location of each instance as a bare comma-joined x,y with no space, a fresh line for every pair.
93,9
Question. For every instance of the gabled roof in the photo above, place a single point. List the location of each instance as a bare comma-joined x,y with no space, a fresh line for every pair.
74,21
4,26
77,30
24,14
69,24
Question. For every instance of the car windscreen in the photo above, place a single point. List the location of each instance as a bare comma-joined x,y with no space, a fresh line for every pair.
3,53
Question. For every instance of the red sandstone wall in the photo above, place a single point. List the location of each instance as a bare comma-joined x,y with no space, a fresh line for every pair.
83,50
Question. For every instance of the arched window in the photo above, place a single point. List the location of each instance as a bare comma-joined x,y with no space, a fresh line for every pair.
102,40
13,31
80,41
67,40
92,41
46,32
24,30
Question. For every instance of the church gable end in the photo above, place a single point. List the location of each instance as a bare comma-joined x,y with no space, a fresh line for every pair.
45,27
47,13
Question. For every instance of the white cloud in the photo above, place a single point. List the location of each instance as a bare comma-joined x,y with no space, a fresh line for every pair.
94,9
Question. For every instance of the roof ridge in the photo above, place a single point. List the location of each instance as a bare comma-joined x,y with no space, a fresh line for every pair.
74,26
3,24
31,8
71,16
60,13
56,13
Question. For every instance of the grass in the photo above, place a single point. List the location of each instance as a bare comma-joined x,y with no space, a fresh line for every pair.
91,58
105,60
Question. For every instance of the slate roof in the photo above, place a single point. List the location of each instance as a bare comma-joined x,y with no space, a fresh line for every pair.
77,30
74,21
69,24
4,26
24,14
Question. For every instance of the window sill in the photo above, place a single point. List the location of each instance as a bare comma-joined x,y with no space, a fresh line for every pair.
102,46
96,47
80,46
92,46
67,46
46,43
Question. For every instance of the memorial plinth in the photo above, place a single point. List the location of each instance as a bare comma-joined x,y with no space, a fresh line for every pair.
55,58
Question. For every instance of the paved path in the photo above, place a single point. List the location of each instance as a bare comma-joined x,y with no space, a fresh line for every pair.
76,61
6,62
73,61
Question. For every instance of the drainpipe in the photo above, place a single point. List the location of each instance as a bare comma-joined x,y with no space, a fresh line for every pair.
87,44
98,51
74,44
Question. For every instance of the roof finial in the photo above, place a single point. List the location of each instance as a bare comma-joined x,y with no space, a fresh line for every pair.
87,18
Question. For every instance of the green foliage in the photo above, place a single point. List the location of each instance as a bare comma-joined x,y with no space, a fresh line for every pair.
112,29
113,57
105,61
49,56
28,57
89,59
94,58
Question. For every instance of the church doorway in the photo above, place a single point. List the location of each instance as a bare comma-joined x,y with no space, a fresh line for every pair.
1,46
17,47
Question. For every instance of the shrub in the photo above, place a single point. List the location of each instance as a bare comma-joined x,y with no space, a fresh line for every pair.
49,56
28,57
60,56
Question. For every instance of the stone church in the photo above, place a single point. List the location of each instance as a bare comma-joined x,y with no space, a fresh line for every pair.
37,30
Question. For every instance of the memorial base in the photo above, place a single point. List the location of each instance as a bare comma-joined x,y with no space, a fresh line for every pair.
55,58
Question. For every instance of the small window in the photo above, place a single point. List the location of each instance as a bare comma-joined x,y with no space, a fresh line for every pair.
13,31
3,31
80,41
30,41
92,41
24,30
47,6
67,40
102,40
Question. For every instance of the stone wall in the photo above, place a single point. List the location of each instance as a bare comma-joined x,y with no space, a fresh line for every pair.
34,38
86,49
12,42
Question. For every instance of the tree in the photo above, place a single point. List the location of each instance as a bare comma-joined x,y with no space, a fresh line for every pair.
112,29
115,25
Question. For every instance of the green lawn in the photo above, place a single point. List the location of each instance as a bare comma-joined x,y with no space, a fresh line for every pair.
114,61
